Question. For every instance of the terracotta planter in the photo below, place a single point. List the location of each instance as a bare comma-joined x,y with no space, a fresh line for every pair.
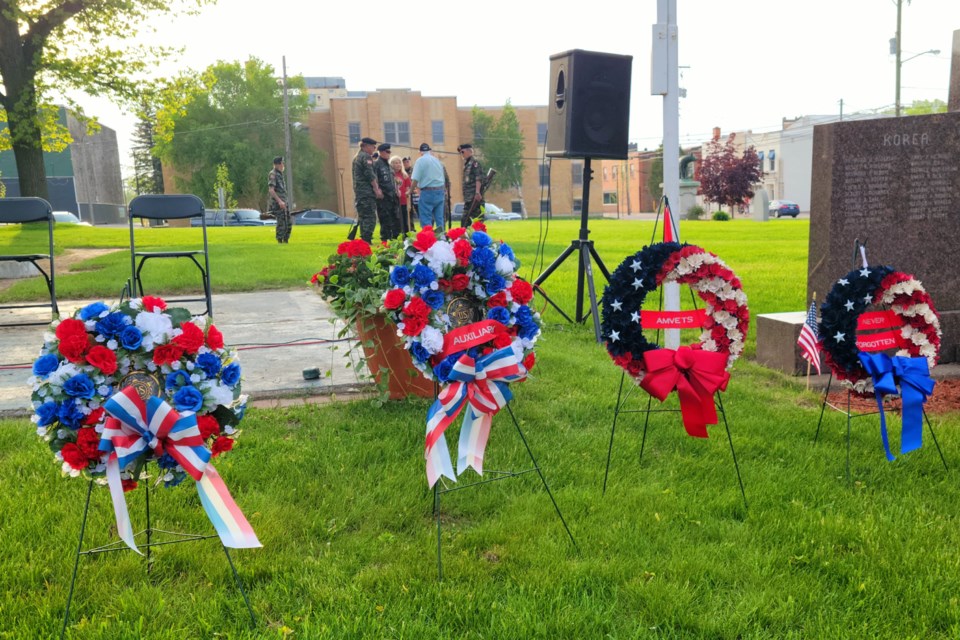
387,355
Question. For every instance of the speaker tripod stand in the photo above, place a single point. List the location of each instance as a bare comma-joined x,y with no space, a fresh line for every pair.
583,246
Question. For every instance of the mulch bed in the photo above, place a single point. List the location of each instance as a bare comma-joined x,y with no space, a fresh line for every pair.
945,398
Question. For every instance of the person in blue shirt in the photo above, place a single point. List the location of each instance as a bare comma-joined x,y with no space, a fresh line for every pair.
428,178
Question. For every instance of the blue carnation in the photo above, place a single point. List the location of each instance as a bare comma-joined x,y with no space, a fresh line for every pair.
167,461
434,298
500,314
47,413
480,239
70,415
79,386
240,411
176,380
507,252
495,284
230,374
419,353
524,315
528,331
209,363
45,365
484,262
188,399
92,311
131,338
178,477
112,324
442,370
423,275
400,276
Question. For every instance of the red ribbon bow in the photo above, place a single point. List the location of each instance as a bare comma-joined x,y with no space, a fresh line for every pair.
695,374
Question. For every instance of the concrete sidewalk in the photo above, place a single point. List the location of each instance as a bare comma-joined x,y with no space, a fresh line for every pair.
257,324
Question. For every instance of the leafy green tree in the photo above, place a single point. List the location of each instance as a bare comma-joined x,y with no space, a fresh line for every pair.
67,45
234,115
147,167
499,143
655,178
923,107
223,182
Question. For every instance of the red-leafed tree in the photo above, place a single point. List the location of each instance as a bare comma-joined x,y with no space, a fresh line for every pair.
725,177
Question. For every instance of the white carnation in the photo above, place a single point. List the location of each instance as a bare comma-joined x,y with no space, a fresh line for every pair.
155,325
432,340
505,266
439,256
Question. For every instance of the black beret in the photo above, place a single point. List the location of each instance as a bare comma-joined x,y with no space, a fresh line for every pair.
384,147
424,147
367,141
278,160
465,145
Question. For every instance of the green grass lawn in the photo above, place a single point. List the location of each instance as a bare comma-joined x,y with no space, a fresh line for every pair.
338,496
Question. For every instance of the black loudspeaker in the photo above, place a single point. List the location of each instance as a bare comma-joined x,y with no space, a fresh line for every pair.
589,105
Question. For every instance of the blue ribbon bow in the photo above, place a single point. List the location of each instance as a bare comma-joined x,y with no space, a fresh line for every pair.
913,376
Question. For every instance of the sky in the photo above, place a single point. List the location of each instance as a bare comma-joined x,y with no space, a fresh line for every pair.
746,64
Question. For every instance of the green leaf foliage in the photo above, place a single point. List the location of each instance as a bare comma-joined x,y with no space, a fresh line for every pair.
499,143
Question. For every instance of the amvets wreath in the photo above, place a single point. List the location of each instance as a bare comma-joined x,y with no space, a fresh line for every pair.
697,370
464,314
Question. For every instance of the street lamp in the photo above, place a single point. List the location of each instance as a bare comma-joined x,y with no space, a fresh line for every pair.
900,62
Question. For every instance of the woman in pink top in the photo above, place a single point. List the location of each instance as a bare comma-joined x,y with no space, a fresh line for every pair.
403,188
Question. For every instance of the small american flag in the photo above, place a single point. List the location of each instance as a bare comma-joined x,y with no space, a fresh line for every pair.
809,350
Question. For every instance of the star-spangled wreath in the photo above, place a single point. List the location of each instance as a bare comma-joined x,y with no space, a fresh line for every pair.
728,317
851,296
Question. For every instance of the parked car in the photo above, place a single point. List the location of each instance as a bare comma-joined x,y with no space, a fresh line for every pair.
233,218
784,208
67,217
320,216
492,212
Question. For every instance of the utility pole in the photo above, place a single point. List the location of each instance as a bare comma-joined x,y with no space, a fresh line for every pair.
841,109
899,16
286,139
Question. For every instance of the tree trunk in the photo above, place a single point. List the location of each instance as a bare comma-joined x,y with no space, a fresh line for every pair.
26,142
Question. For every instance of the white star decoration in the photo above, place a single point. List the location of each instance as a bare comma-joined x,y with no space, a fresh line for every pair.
635,317
614,336
636,266
616,305
868,299
843,282
864,272
637,283
839,337
849,305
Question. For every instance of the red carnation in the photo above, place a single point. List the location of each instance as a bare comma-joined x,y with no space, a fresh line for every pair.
72,347
221,445
502,339
191,339
103,358
394,299
417,308
88,441
71,327
151,303
413,325
167,354
479,226
529,360
74,457
522,291
499,299
208,426
95,416
128,484
214,338
462,250
455,233
425,239
460,281
444,285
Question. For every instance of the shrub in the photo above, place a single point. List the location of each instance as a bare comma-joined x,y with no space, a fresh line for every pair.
695,212
721,215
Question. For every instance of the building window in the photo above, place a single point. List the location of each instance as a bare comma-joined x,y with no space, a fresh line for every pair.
516,206
353,129
396,132
609,197
770,156
577,205
545,174
632,167
544,206
577,169
541,133
604,173
613,174
436,127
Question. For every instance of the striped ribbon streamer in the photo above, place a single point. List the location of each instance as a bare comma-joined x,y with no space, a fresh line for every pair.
136,428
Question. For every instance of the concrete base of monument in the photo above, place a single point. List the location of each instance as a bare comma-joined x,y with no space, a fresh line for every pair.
777,335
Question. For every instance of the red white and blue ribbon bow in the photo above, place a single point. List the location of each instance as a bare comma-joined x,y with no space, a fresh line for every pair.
137,428
695,374
481,387
913,375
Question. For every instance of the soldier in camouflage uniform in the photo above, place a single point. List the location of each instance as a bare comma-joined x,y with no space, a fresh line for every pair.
388,207
278,207
366,190
472,179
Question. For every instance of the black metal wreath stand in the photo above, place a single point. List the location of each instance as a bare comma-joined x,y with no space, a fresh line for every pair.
148,533
496,475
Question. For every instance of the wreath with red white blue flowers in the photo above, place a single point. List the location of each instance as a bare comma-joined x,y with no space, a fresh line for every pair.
461,264
728,317
851,296
85,359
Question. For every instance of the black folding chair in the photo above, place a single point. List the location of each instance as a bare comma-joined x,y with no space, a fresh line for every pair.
19,211
170,207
